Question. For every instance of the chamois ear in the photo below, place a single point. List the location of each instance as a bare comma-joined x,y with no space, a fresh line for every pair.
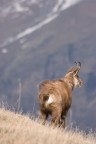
71,69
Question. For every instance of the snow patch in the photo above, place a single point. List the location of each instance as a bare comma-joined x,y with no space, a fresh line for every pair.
60,6
69,3
19,8
14,6
34,1
34,28
57,6
4,51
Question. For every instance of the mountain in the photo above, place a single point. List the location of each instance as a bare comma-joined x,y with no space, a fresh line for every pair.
41,40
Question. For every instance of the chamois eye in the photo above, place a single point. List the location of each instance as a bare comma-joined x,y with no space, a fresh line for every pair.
77,76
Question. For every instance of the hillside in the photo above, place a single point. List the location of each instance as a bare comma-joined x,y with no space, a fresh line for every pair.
20,129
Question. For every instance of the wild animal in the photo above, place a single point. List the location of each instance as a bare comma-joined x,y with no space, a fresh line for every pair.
55,96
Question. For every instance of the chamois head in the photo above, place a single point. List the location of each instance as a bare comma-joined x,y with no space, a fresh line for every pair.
72,75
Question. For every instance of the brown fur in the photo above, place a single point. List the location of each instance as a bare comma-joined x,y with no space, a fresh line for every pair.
55,97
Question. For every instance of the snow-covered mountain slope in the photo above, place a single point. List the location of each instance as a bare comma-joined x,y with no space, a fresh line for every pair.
40,13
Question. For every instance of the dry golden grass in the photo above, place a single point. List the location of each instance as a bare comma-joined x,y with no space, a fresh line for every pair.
19,129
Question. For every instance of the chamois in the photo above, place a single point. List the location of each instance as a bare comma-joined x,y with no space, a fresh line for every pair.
55,96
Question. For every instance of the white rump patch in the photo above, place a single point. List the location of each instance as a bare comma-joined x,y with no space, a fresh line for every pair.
51,99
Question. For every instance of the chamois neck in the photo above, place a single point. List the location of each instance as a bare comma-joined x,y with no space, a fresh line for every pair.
69,83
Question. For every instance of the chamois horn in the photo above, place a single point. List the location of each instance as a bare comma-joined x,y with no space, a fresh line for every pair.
78,66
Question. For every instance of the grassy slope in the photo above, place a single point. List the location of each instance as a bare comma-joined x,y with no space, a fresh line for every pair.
20,129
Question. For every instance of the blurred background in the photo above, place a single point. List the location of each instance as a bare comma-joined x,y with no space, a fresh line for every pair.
41,39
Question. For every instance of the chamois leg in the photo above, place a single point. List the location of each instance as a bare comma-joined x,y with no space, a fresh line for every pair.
43,117
63,121
56,115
